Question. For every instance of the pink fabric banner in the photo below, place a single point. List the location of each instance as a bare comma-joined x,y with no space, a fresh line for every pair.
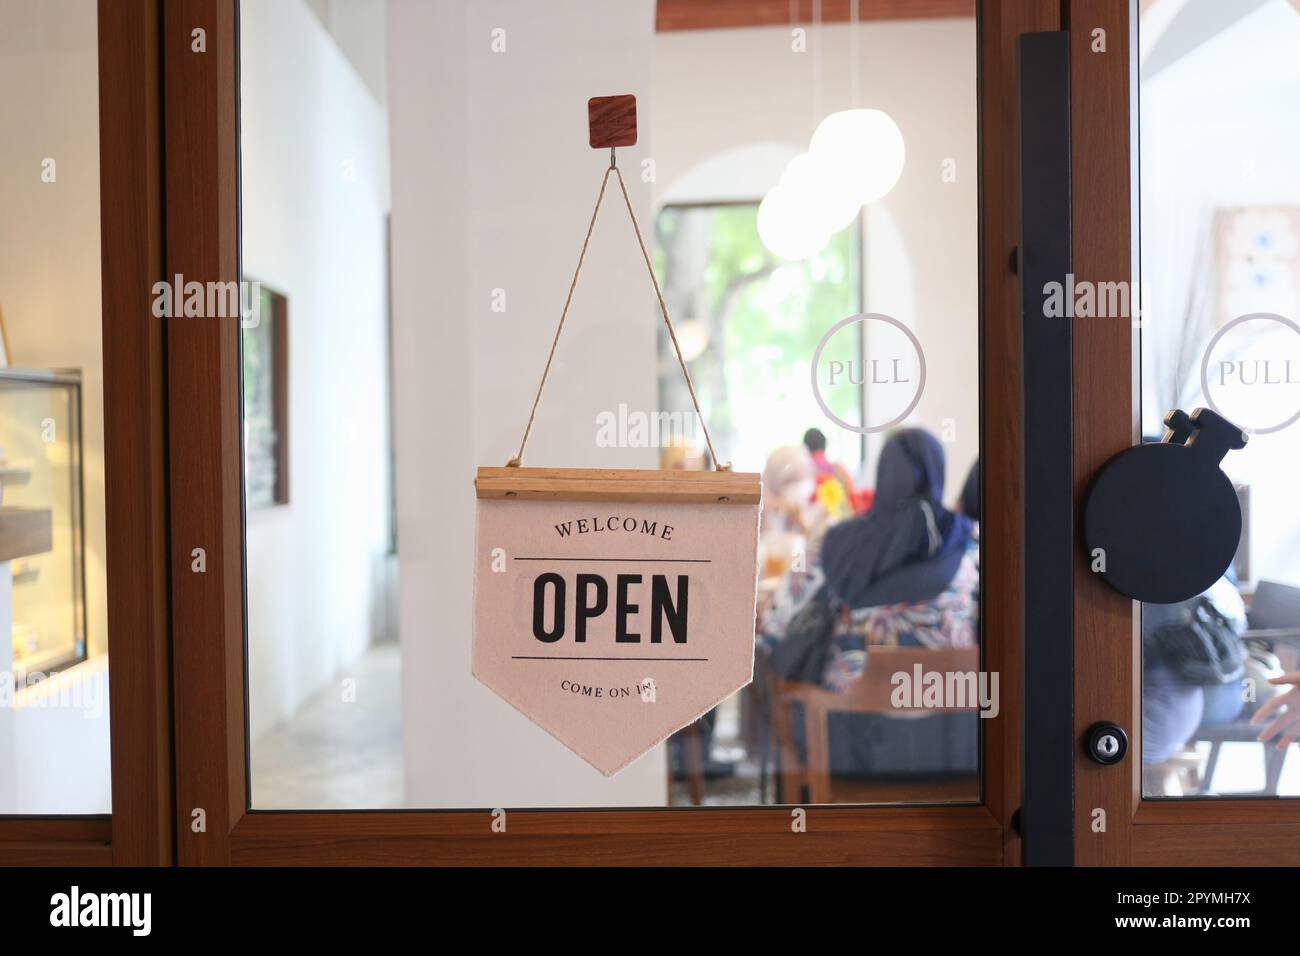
614,624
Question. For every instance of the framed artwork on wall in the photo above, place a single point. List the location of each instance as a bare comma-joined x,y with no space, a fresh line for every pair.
265,358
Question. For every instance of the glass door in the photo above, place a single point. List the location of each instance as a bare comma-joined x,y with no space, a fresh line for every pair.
761,258
85,770
412,188
1203,681
1219,234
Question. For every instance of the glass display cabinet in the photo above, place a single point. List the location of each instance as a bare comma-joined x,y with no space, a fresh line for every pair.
42,570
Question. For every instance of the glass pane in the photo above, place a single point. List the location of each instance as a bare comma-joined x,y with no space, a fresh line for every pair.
466,123
1220,234
54,737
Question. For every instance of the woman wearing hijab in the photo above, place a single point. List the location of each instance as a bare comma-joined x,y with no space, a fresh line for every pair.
969,503
908,548
906,573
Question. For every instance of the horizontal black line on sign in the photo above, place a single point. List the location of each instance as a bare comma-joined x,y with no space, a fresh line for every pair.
642,560
549,657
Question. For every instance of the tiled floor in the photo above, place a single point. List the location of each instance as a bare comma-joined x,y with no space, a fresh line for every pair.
739,790
333,754
337,755
742,788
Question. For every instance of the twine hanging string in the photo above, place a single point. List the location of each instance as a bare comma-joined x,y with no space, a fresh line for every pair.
518,459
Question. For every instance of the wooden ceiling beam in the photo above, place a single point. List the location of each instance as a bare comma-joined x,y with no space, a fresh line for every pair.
674,15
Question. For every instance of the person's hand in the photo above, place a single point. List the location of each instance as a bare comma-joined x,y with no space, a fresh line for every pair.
792,511
1285,709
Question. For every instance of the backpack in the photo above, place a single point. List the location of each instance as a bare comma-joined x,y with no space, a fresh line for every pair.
1203,650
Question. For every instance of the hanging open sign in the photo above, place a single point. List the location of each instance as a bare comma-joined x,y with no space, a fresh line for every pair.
614,607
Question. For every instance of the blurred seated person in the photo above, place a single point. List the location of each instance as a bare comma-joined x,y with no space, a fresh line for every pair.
905,573
1193,662
793,524
1192,668
789,516
835,488
969,502
788,484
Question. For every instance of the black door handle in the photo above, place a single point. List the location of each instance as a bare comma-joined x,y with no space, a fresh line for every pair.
1162,521
1050,742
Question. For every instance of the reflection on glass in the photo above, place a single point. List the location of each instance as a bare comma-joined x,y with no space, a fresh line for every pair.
324,666
487,216
752,322
869,640
40,479
867,684
54,708
265,347
1221,284
821,721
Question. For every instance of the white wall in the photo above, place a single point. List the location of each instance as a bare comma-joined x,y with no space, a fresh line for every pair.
357,26
50,298
61,744
315,195
720,91
493,183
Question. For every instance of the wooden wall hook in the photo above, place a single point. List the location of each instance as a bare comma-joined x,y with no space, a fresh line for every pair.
611,121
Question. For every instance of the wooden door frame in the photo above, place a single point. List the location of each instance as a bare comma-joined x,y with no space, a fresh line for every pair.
1107,646
140,829
171,401
202,243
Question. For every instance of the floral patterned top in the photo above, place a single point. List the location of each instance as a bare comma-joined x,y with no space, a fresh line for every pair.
949,620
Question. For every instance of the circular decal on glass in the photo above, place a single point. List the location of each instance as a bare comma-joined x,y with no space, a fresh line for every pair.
1250,372
887,374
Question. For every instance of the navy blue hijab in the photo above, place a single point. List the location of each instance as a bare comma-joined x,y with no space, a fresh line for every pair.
908,547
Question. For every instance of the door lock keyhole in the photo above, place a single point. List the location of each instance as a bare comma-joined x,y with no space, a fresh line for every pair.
1107,743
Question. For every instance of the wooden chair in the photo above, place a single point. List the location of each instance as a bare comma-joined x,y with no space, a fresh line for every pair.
693,756
868,695
1241,731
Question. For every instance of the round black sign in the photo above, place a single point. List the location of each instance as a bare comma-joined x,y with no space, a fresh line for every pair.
1162,522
